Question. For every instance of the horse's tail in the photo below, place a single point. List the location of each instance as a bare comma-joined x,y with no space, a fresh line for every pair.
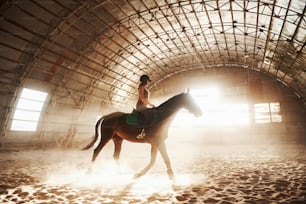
96,134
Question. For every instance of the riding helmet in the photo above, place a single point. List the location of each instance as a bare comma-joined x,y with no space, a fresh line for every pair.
144,78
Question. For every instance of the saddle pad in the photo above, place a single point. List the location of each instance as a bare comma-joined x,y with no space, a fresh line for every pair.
132,118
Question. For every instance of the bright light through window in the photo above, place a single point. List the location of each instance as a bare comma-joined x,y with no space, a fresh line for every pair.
27,112
217,111
268,113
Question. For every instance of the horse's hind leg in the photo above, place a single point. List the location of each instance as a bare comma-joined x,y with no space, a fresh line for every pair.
106,135
117,141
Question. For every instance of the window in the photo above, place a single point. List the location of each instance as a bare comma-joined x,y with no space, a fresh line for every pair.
221,110
28,109
268,113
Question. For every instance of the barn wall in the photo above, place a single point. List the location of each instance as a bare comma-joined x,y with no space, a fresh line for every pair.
260,89
65,125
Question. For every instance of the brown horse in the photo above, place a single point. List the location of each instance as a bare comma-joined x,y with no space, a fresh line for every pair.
114,126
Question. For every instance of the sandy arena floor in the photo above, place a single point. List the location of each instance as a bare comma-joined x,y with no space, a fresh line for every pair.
204,174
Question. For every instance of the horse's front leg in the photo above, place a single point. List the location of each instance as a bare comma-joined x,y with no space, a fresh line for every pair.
163,151
152,161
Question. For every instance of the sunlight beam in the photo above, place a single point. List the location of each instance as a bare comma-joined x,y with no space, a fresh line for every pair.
217,111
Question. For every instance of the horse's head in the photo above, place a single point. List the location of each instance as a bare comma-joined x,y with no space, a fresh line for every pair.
191,105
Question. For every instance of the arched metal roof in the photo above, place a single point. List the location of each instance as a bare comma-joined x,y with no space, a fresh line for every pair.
100,48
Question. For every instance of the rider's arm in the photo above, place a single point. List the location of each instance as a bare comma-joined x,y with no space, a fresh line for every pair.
143,98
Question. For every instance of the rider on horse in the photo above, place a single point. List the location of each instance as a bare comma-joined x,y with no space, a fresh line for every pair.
143,100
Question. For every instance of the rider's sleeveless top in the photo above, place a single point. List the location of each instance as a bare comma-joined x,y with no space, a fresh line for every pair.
140,105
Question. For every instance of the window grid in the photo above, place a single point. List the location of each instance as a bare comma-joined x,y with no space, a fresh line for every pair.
28,110
268,112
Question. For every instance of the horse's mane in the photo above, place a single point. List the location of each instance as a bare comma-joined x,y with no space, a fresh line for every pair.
171,100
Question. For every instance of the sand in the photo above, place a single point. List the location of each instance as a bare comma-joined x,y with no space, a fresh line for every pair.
204,174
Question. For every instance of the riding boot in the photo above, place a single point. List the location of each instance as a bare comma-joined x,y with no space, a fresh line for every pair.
142,134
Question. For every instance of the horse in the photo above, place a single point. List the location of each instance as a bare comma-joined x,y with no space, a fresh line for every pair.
114,126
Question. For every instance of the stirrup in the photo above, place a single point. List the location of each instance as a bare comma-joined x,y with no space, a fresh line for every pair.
141,135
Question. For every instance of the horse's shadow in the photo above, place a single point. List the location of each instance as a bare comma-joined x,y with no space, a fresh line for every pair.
127,189
175,193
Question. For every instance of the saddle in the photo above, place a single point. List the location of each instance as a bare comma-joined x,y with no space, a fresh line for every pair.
142,118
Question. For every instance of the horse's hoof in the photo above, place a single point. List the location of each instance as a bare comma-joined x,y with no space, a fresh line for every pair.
170,174
137,175
171,177
89,171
